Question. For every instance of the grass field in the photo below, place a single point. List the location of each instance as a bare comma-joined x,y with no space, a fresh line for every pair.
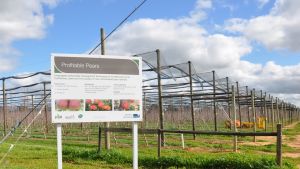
79,151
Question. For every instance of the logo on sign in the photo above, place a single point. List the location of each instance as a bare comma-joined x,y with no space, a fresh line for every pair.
58,116
136,115
70,117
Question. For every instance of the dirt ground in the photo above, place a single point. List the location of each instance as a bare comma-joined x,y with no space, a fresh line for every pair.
260,141
294,143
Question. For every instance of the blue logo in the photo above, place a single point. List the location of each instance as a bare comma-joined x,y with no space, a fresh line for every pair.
136,115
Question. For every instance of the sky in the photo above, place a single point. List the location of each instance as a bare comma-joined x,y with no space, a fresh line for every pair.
255,42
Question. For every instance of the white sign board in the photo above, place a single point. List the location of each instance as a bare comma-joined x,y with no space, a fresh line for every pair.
96,88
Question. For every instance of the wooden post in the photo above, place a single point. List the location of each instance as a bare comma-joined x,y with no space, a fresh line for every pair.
181,109
269,109
286,113
45,109
272,113
99,140
107,124
265,110
234,119
214,101
253,112
283,113
279,145
248,112
102,37
144,112
4,106
262,112
158,142
32,109
228,100
298,114
261,103
160,106
191,98
277,110
291,114
238,102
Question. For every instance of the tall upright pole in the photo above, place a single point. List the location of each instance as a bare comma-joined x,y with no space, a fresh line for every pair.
261,104
286,113
265,110
272,113
248,112
214,100
144,111
161,112
269,110
234,119
4,106
107,124
254,112
277,110
135,145
45,108
59,146
262,113
290,113
238,101
282,113
32,107
228,95
191,98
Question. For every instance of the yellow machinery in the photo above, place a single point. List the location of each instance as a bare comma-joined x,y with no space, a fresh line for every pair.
261,122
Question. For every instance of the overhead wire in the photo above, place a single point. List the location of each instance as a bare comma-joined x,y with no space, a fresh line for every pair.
120,24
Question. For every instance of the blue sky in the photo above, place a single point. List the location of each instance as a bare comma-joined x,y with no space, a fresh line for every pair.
76,27
249,40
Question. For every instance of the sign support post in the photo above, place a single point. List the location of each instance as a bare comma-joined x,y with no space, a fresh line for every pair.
59,146
135,145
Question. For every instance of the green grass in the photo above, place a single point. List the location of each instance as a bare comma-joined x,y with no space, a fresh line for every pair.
204,152
207,161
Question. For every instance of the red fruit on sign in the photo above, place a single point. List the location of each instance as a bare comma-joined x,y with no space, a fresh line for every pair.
100,104
125,105
106,107
74,104
93,107
88,101
62,104
97,101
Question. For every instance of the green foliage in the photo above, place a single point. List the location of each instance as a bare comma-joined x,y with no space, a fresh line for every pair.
224,161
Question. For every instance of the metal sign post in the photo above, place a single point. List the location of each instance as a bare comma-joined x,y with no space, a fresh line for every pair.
59,146
135,145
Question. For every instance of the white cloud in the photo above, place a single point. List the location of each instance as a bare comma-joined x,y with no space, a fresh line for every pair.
278,30
181,40
21,20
